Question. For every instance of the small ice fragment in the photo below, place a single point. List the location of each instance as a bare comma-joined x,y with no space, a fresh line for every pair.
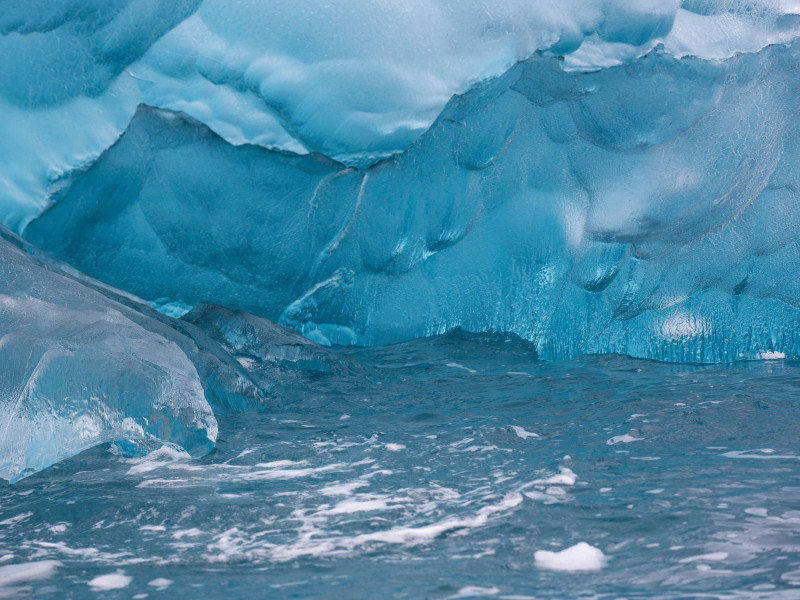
623,439
770,355
522,433
111,581
757,512
580,557
395,447
655,491
161,583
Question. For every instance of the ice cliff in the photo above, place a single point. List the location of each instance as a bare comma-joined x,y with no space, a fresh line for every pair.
646,208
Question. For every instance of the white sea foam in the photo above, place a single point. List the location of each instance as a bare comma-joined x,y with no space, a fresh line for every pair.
236,543
156,459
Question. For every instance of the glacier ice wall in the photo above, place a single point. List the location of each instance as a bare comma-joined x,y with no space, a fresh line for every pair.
350,79
619,210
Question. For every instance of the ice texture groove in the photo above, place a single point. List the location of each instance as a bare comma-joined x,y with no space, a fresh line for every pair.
622,211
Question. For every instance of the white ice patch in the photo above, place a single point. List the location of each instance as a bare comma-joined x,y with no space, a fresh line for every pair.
160,583
580,557
24,572
112,581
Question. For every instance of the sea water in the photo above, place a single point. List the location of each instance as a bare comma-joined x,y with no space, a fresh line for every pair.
457,467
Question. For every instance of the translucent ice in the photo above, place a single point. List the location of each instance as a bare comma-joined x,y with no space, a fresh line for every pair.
84,364
622,210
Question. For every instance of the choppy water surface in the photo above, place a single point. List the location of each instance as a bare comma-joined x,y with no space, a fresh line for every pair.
439,474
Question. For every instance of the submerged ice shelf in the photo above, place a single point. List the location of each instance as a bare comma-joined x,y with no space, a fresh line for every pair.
648,209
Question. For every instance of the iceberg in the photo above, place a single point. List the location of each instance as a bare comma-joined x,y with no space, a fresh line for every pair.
621,210
84,364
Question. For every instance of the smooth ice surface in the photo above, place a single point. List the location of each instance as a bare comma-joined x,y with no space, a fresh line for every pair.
85,364
299,502
352,79
646,209
580,557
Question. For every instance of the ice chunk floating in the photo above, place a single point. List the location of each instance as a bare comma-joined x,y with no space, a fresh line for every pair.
419,298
